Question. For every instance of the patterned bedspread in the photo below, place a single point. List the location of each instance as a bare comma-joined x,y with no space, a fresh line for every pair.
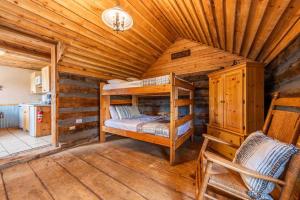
159,126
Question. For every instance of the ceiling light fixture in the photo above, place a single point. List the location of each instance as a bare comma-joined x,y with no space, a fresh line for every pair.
117,19
2,52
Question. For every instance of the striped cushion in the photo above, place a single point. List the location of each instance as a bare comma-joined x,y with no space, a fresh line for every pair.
123,112
266,156
113,112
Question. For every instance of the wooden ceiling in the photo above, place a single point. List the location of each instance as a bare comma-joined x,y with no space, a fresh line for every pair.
255,29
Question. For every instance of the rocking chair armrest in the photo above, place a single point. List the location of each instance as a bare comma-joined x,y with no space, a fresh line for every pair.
239,168
218,140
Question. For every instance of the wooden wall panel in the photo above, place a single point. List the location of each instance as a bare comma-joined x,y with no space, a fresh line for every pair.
203,59
153,105
78,99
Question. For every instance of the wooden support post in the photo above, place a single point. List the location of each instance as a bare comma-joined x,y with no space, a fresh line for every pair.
192,94
104,112
135,100
54,84
173,118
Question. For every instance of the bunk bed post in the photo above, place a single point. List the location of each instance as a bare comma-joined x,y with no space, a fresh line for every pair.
104,112
134,100
192,95
173,118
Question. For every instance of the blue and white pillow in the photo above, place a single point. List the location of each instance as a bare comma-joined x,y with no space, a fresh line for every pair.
266,156
113,112
123,112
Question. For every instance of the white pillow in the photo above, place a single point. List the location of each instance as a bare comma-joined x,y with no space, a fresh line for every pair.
113,112
132,79
266,156
116,81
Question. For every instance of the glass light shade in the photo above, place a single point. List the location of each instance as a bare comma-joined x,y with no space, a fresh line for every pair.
117,19
2,52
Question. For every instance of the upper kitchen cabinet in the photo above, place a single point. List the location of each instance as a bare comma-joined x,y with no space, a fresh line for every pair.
45,80
40,81
36,82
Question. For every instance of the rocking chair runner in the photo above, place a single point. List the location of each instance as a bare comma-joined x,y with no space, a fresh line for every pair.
224,175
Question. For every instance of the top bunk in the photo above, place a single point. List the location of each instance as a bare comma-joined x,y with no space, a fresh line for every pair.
162,85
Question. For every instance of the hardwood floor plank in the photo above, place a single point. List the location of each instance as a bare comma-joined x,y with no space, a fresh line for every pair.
163,177
103,185
21,183
158,156
59,182
139,183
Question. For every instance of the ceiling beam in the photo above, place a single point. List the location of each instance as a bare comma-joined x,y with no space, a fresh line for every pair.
23,51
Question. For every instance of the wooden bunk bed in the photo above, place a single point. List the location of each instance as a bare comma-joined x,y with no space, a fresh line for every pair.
171,89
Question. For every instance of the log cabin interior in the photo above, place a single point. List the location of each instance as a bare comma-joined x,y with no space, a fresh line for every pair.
156,99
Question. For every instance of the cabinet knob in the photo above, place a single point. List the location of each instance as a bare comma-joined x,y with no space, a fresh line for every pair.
222,101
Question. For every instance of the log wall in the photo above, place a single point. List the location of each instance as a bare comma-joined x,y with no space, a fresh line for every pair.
78,101
283,73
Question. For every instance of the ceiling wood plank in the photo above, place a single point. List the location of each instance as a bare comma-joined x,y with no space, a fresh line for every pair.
211,21
181,19
191,9
142,30
289,37
220,16
257,12
171,17
200,13
289,18
21,50
148,15
147,42
101,64
185,14
274,12
161,17
73,69
230,23
45,12
87,65
243,10
54,31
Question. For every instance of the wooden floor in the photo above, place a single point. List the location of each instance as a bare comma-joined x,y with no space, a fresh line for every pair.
118,169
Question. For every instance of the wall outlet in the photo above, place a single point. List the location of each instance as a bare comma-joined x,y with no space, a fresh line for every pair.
78,121
71,128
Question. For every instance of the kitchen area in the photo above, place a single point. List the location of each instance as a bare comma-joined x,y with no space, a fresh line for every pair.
25,116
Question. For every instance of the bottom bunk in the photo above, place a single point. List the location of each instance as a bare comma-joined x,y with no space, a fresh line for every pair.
152,129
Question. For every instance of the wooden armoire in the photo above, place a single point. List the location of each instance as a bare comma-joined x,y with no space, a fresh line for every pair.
236,104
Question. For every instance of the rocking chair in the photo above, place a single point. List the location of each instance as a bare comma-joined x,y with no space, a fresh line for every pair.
224,176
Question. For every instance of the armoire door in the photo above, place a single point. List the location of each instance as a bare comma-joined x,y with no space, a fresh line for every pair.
233,97
216,101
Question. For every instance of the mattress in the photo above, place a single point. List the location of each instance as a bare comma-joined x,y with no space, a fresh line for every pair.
150,123
161,80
